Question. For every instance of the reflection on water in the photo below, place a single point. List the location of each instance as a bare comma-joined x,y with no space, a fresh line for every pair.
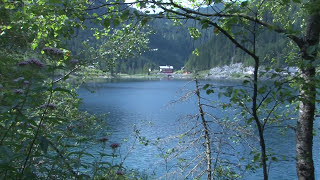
148,105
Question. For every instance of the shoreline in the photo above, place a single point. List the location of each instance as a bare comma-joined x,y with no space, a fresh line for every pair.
231,72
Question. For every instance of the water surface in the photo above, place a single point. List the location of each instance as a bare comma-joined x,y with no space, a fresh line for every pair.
148,105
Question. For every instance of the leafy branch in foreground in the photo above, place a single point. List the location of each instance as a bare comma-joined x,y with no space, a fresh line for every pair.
43,135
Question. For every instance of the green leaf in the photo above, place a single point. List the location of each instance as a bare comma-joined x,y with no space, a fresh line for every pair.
142,5
206,86
256,157
105,155
274,159
204,24
34,44
44,143
116,22
249,167
262,90
144,21
54,1
245,82
274,75
286,1
5,153
125,15
249,120
52,68
106,23
196,52
311,50
136,13
244,3
194,33
63,90
228,92
56,120
107,163
209,91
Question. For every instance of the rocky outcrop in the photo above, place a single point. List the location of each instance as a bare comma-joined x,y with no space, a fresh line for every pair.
239,71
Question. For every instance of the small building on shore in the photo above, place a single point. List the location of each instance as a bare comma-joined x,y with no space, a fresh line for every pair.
166,69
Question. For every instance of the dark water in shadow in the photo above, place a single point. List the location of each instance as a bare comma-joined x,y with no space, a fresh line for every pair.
147,104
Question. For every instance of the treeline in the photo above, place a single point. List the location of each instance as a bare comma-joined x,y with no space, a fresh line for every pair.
169,45
220,51
172,45
269,45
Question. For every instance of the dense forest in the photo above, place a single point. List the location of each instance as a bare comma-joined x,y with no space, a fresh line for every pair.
169,45
218,51
49,46
172,45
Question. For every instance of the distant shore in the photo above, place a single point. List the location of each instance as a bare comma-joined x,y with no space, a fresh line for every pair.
231,72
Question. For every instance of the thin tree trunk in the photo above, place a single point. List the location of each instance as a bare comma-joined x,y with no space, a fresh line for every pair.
254,105
206,133
256,119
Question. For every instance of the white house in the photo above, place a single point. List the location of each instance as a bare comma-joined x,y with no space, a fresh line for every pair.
166,69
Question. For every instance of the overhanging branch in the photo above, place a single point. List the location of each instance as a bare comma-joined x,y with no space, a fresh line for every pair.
296,39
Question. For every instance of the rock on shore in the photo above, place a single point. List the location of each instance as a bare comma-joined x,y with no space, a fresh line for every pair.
239,71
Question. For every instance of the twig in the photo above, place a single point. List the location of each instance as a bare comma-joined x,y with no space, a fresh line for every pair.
37,132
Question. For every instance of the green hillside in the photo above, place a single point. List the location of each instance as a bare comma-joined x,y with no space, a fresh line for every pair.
169,45
220,51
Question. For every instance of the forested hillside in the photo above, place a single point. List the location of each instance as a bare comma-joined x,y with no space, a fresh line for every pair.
169,45
173,45
220,51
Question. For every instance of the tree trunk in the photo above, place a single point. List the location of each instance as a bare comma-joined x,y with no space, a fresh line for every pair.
305,166
256,118
304,132
206,133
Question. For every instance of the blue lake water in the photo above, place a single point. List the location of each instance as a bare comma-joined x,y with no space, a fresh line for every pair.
148,105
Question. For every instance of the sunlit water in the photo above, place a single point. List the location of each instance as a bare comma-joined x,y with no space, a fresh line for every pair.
148,105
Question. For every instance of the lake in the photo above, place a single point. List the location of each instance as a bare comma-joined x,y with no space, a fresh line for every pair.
150,106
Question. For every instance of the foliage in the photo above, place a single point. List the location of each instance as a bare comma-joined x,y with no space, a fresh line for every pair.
168,46
242,23
108,51
43,135
42,132
218,51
